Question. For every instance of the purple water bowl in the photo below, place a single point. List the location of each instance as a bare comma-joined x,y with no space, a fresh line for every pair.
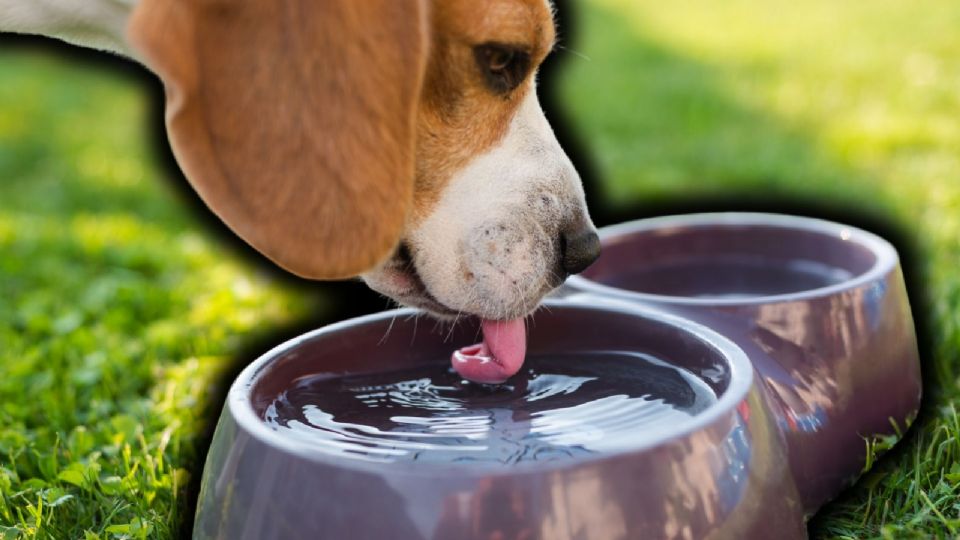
820,308
722,472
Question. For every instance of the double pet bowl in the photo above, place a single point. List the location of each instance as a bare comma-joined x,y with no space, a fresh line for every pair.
800,327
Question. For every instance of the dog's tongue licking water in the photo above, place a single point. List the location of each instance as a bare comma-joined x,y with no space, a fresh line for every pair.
498,357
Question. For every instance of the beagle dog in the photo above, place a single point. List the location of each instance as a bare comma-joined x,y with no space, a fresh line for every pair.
396,140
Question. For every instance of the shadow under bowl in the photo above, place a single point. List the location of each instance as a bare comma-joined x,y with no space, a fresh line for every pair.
820,308
717,468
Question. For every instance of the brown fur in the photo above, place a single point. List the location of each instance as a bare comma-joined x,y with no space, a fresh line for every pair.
459,117
319,130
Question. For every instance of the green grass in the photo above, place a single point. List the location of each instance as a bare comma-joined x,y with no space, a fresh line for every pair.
120,310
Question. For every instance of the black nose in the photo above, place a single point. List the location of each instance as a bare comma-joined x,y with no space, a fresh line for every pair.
578,250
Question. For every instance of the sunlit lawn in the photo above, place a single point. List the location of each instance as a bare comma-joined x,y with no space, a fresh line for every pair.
119,308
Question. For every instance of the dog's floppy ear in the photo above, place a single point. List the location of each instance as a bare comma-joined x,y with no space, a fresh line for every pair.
294,119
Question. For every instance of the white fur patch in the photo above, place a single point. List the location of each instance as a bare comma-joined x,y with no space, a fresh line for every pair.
491,245
98,24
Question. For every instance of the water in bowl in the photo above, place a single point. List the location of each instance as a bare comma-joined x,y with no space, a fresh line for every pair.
728,277
558,407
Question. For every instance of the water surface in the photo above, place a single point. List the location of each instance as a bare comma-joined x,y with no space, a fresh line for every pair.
558,407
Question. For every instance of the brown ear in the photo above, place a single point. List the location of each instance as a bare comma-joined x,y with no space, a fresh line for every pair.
294,119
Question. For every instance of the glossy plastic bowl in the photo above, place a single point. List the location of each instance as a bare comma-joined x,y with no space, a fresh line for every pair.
820,308
811,356
723,473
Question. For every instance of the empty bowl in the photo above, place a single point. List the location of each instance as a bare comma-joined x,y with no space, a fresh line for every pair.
820,309
625,422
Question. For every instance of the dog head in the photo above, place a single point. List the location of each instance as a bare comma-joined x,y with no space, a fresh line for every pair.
398,140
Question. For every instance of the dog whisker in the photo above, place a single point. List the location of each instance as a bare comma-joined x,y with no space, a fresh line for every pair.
572,51
453,326
416,320
389,328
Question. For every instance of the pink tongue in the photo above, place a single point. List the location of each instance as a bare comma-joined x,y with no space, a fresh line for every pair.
498,357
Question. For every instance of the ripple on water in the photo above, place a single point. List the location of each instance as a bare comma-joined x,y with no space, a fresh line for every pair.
557,407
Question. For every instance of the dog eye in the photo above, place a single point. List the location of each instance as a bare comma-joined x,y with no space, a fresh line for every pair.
503,67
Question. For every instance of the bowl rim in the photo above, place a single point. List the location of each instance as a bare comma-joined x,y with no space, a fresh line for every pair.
886,255
241,410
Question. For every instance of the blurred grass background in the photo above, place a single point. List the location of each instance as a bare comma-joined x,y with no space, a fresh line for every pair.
121,310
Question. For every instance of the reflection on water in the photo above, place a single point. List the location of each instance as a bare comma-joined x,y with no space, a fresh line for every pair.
558,407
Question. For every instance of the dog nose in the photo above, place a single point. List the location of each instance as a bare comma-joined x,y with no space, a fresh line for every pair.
578,250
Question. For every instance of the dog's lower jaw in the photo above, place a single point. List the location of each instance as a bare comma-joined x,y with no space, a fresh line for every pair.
399,280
